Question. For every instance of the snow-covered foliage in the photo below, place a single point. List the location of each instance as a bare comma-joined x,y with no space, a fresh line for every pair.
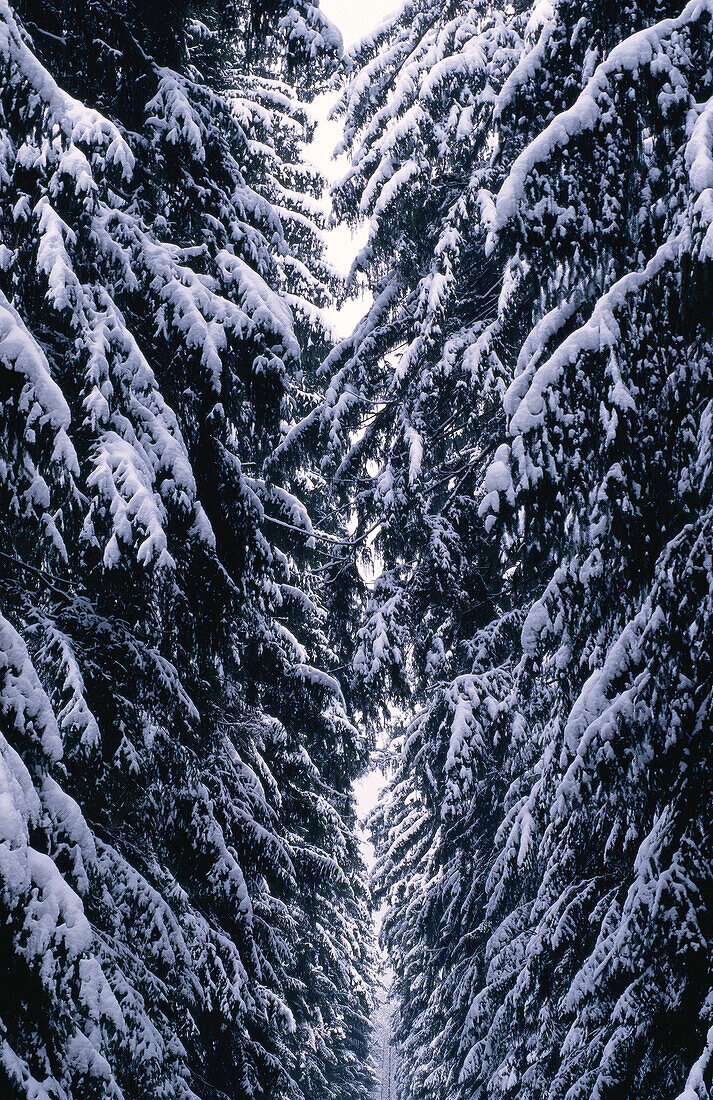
414,395
411,420
599,980
182,914
539,189
486,517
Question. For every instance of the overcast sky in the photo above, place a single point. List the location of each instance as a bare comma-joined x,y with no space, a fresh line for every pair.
356,17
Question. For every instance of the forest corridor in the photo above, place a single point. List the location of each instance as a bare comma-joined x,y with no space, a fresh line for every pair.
275,534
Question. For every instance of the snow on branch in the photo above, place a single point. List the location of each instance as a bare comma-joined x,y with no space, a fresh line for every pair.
645,48
77,122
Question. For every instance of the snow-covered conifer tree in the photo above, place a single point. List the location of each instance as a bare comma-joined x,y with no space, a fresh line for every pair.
599,979
545,842
160,275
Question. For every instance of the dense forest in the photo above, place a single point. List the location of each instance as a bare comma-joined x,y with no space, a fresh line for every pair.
244,560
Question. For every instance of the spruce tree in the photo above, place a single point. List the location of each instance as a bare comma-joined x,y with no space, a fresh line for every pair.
599,978
544,842
157,272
